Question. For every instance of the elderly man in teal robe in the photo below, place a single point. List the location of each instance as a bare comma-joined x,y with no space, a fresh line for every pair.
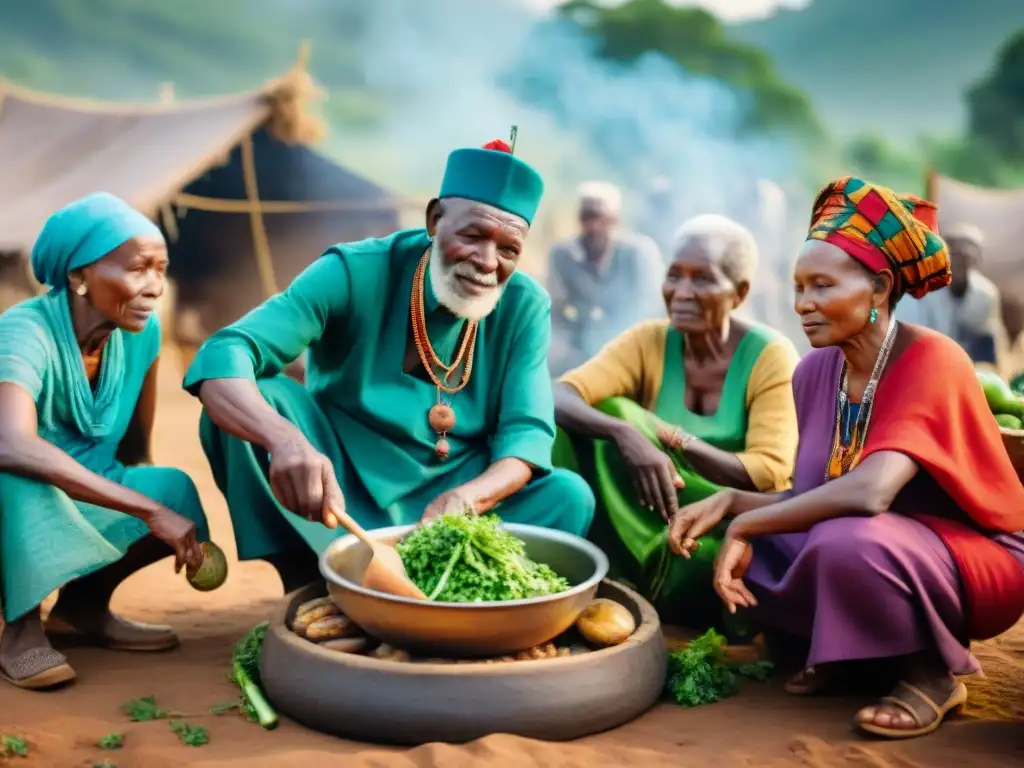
426,391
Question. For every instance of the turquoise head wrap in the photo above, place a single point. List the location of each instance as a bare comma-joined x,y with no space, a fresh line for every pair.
494,176
84,232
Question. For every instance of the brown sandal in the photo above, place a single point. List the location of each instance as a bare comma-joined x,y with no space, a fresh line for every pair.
38,669
159,638
808,682
956,700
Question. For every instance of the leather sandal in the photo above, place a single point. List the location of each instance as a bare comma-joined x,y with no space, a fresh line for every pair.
926,714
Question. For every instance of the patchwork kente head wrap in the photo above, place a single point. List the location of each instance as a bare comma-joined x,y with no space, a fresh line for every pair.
883,230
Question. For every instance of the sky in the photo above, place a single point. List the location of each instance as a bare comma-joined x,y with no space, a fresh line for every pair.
727,10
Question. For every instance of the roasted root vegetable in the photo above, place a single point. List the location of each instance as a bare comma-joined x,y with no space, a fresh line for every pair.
331,628
605,622
347,644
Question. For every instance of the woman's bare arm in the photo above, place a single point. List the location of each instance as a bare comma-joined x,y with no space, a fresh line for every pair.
867,490
24,453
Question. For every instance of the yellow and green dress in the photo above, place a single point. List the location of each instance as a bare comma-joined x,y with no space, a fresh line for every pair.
640,377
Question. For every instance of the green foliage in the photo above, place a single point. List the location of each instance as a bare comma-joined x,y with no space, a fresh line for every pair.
897,67
996,104
111,741
701,673
698,42
190,735
245,673
461,558
13,746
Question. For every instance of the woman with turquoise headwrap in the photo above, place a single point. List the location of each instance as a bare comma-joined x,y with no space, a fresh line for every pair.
78,510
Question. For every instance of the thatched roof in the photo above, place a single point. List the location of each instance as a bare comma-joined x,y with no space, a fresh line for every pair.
55,149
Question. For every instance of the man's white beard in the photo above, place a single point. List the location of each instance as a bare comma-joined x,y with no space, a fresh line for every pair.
450,292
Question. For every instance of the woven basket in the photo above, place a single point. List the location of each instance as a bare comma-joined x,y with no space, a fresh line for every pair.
1013,441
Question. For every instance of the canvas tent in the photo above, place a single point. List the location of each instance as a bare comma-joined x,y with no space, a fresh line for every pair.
999,214
244,200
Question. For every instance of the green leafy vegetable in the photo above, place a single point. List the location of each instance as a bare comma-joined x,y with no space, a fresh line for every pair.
111,741
190,735
13,746
143,710
701,673
245,673
461,558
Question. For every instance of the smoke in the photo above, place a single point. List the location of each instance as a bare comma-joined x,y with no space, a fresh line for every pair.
461,72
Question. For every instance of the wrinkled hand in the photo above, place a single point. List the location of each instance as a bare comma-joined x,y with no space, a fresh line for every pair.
302,480
179,533
730,566
696,520
653,473
455,500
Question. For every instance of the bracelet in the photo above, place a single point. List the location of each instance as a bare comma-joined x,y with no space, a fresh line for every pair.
681,440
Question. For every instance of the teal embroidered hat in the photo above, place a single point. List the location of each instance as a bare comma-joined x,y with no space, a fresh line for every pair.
494,176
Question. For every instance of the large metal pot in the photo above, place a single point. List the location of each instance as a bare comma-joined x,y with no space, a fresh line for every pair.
467,630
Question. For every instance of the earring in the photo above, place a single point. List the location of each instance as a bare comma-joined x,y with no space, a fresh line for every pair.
83,289
873,315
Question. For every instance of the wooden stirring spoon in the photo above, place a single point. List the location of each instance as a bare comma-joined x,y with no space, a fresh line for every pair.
385,573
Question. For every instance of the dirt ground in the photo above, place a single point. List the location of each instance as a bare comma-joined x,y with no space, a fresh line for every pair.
760,727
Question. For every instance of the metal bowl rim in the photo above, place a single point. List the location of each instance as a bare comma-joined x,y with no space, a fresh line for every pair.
578,542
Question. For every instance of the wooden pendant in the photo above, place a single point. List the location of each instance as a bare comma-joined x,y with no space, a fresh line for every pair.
441,448
441,418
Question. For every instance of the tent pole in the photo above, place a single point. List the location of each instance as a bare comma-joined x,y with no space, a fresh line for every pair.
260,241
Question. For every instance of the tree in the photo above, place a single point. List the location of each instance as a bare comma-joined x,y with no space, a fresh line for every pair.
697,42
996,104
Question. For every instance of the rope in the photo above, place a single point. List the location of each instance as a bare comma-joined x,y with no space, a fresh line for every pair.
260,242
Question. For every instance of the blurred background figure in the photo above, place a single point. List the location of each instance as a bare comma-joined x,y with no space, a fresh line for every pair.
969,312
601,281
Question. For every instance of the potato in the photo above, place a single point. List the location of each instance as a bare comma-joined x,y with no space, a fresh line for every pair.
331,628
301,622
318,602
605,622
347,644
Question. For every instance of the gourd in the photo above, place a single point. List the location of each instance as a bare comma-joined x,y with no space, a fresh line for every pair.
214,569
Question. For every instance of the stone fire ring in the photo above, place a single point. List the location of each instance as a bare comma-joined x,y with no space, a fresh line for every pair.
403,703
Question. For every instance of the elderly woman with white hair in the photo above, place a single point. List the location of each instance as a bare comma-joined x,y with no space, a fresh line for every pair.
673,410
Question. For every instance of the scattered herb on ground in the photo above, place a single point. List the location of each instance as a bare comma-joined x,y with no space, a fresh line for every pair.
190,735
460,558
225,707
245,673
105,764
143,710
701,672
111,741
13,746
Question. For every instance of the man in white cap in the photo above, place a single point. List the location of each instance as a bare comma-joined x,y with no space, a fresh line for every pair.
601,282
969,311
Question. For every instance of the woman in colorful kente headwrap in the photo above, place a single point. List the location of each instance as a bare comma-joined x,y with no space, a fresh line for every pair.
78,511
674,410
901,539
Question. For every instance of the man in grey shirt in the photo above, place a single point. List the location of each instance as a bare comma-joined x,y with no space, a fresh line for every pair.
601,282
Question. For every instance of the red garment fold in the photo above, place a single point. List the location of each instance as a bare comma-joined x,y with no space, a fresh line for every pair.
930,406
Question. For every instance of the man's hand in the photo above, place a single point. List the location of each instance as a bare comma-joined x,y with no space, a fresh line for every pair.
303,481
455,500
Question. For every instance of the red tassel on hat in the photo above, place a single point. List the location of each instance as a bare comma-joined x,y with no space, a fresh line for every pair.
499,146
